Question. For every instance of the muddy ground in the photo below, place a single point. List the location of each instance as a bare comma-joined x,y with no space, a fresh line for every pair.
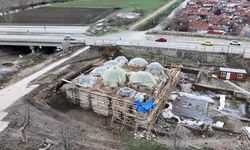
51,119
24,62
59,16
10,54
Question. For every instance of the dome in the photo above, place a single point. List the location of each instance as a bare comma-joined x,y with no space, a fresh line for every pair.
138,62
114,77
155,68
112,63
143,78
121,59
126,92
98,71
87,81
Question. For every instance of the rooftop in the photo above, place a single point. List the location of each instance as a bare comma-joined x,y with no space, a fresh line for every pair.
233,70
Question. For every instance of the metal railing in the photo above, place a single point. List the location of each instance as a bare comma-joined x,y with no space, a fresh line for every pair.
154,45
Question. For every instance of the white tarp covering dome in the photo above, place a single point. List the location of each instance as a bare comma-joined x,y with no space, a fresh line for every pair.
139,96
112,63
155,68
138,62
121,59
143,78
114,77
126,92
98,71
87,81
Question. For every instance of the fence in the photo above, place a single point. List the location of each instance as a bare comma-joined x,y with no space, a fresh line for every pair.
195,34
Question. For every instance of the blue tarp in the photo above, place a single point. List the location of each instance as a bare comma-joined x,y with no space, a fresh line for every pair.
144,107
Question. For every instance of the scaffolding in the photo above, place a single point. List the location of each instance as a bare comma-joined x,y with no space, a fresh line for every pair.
124,111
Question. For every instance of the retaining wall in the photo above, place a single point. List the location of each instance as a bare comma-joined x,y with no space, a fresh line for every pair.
165,55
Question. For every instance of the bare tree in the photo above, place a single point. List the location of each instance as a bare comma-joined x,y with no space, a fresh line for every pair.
179,23
5,10
25,124
65,136
179,135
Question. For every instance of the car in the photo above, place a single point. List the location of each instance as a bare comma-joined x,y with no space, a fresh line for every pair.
207,43
161,40
59,48
234,42
69,38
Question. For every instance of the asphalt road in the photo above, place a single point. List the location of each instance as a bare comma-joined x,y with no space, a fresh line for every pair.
132,38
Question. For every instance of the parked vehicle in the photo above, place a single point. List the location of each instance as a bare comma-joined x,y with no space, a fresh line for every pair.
234,42
59,48
69,38
207,43
161,40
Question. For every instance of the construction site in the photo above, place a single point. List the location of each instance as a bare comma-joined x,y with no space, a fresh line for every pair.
109,98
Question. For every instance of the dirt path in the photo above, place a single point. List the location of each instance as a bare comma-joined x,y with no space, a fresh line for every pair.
12,93
150,16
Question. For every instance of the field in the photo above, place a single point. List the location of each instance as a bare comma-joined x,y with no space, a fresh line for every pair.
59,16
21,4
125,5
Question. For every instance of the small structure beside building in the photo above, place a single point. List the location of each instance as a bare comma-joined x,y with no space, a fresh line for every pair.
232,74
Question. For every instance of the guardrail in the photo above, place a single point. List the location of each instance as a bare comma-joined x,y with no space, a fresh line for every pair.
142,44
146,45
195,34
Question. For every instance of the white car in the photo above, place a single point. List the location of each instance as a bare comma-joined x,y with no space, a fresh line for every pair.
234,42
59,48
69,38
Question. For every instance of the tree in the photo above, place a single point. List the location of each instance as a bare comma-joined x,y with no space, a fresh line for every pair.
5,11
217,12
179,23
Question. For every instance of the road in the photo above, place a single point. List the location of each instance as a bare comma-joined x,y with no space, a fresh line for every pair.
133,38
153,15
14,92
14,29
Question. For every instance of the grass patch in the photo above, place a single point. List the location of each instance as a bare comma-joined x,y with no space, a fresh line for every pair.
126,5
29,60
132,144
155,21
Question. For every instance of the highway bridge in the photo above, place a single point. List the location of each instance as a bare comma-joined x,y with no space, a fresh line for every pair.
52,37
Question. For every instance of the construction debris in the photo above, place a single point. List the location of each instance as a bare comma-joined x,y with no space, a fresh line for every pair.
247,131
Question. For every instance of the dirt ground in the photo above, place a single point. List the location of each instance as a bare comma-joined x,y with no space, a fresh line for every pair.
26,65
60,16
10,54
82,129
51,119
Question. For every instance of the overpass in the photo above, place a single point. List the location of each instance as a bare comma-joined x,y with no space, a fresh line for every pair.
53,37
36,43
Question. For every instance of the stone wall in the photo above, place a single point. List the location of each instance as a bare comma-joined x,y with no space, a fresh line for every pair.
89,100
166,56
102,104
